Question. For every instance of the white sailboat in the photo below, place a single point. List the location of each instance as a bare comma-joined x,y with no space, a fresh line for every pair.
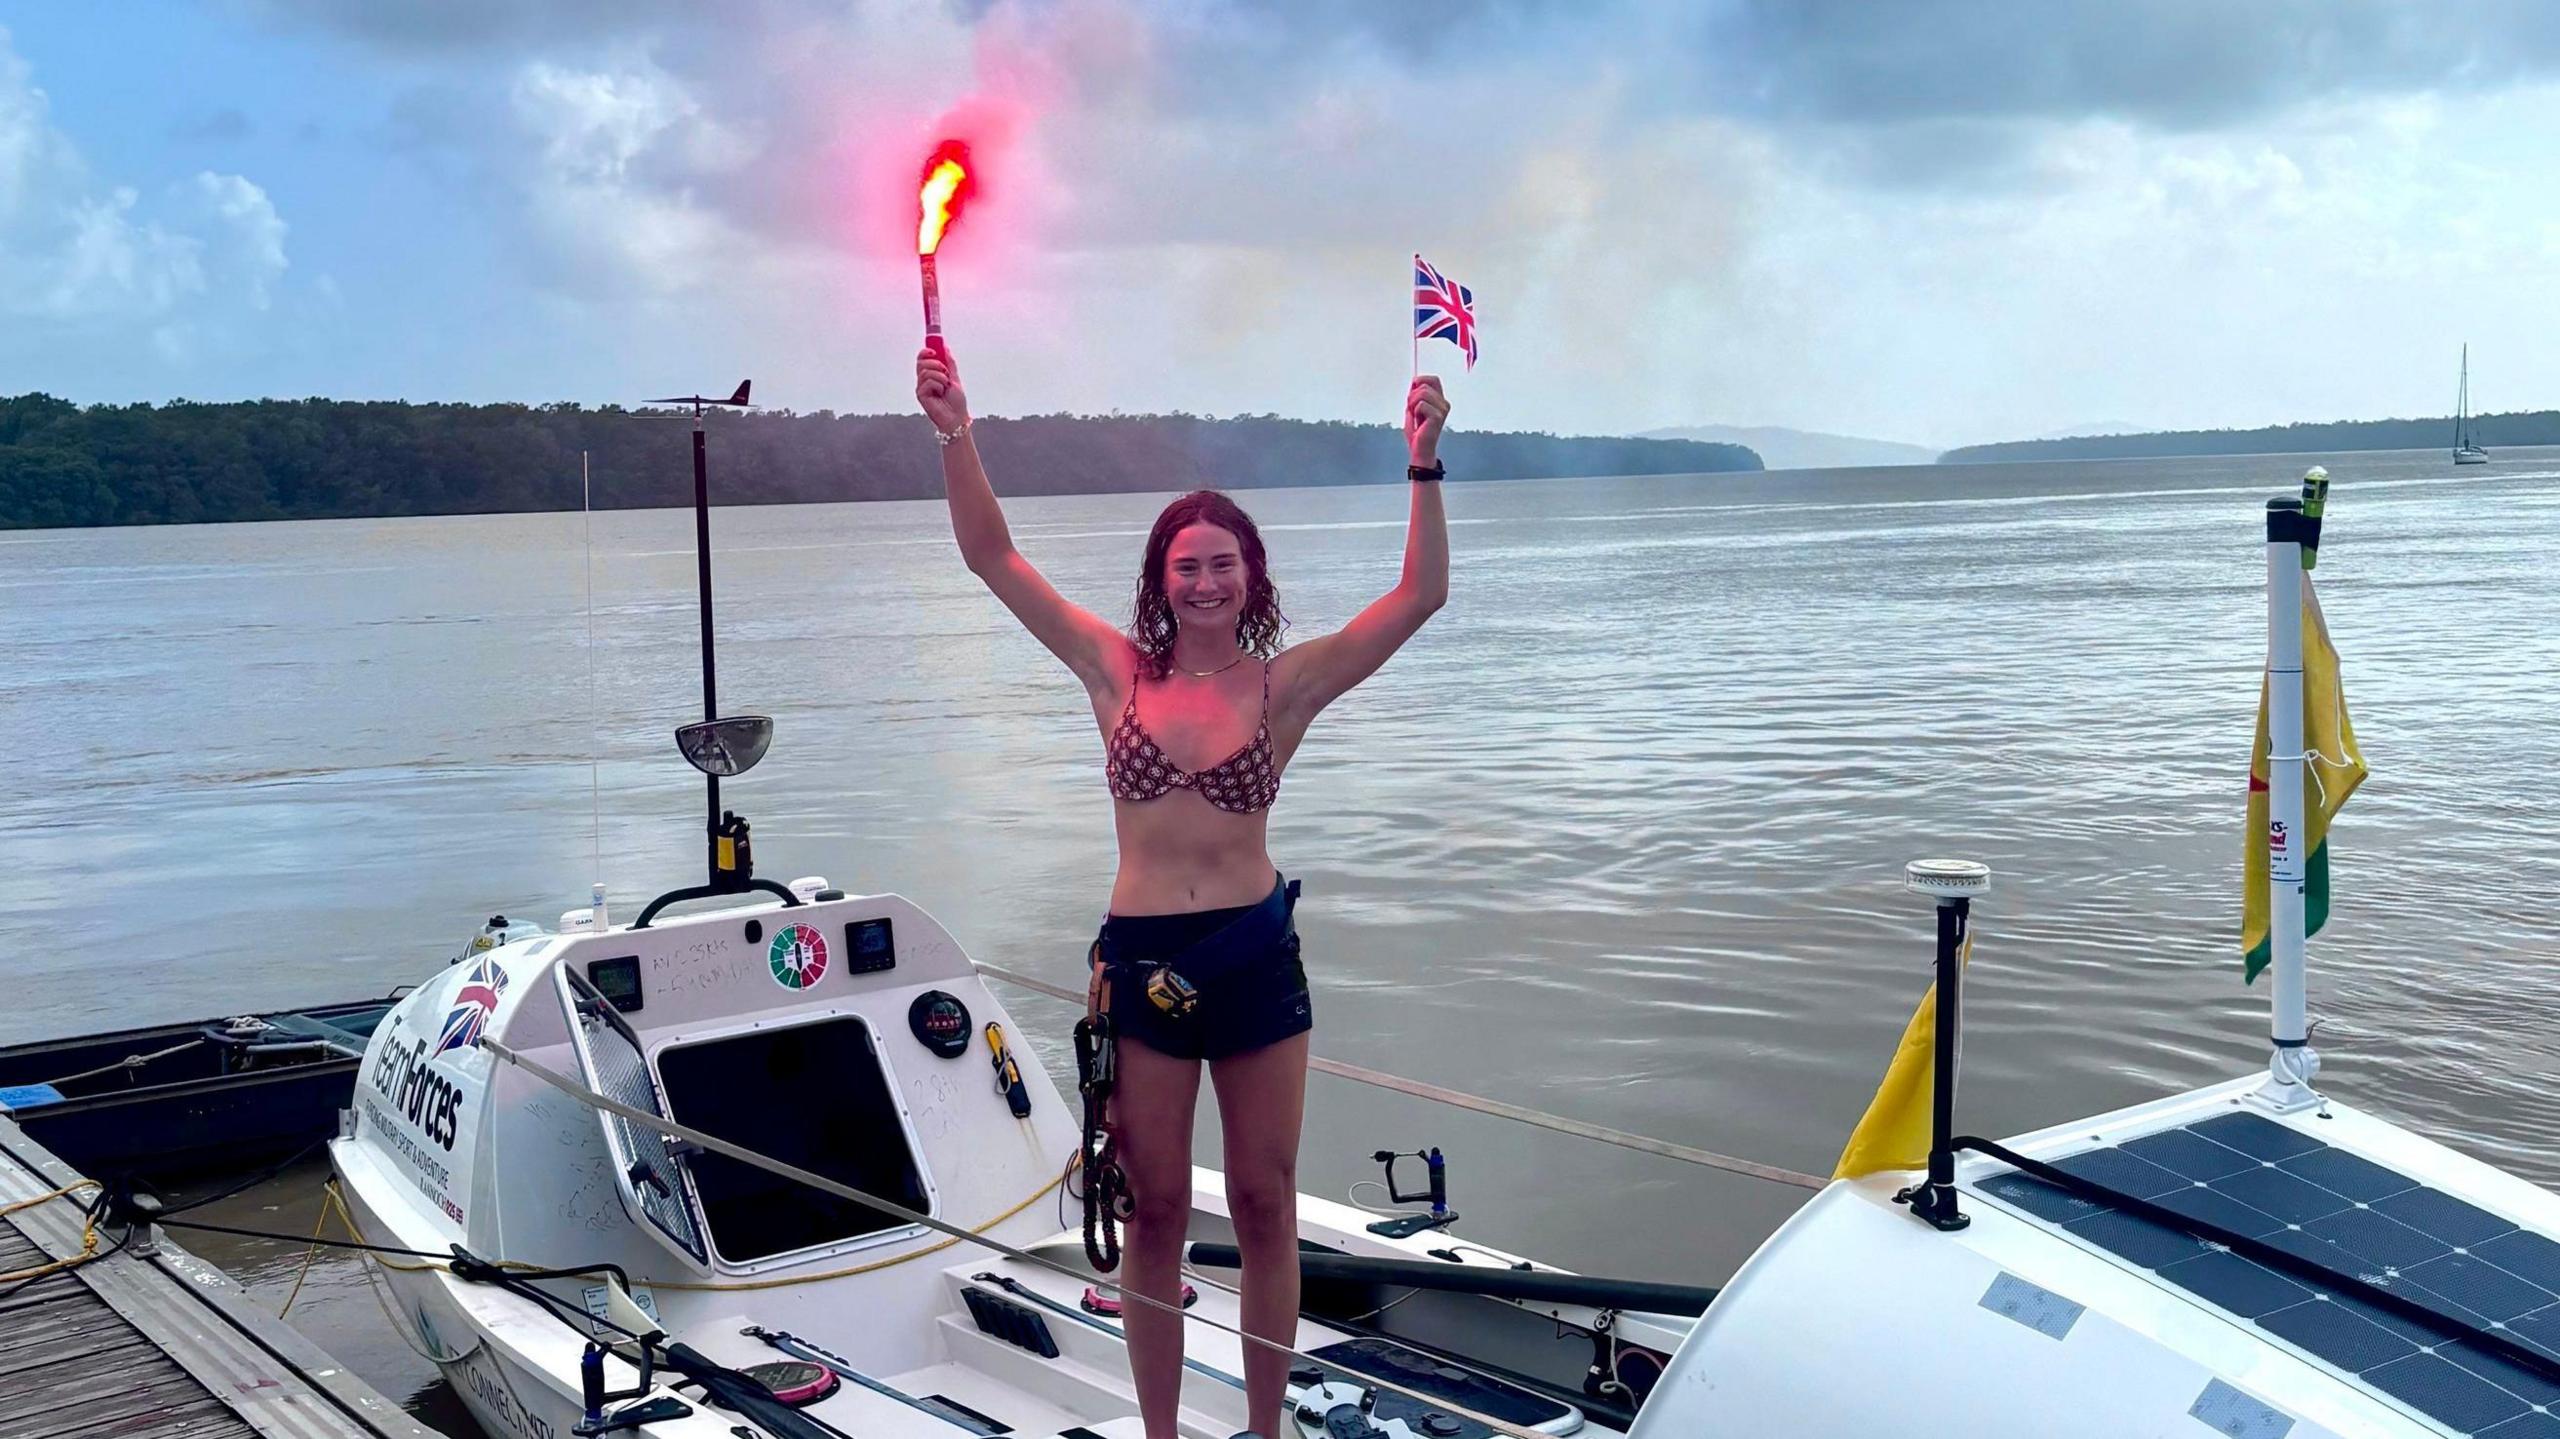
2466,448
749,1172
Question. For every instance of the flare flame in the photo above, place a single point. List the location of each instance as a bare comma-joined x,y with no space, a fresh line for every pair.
946,185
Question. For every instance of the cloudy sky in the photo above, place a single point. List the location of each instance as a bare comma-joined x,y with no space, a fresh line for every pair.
1932,220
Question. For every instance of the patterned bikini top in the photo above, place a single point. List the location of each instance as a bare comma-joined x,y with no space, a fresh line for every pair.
1243,783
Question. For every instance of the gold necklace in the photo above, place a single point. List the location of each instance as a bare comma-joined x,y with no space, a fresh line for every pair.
1222,669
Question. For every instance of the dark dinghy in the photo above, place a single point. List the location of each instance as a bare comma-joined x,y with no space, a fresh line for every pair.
173,1100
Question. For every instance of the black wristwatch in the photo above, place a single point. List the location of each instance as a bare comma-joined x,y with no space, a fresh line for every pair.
1417,473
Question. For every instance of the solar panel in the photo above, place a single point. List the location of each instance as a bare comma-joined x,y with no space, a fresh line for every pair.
2258,1178
2333,1332
2530,1426
2192,1155
2528,1256
2245,1289
2376,1237
2442,1389
2540,1330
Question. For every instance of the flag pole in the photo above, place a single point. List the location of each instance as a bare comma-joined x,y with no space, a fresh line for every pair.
1417,334
2293,1063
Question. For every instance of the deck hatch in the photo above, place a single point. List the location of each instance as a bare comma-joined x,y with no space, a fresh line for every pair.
654,1186
2261,1179
814,1095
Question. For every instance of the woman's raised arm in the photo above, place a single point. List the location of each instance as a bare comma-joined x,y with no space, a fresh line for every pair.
1315,674
1081,639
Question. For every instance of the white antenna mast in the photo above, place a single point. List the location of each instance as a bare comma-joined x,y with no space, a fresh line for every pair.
595,741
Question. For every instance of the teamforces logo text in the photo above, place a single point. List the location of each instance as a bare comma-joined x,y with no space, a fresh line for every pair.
417,1092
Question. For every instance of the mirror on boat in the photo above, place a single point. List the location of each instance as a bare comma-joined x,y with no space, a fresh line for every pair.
726,746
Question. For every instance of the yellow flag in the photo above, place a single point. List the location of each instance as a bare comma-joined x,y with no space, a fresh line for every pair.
1895,1132
2334,769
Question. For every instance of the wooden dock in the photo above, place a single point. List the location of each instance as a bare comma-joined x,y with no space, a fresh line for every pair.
152,1342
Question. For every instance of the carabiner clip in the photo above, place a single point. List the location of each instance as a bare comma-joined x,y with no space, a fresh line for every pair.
1171,993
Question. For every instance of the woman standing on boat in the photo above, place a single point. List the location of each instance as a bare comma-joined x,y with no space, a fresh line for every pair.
1200,711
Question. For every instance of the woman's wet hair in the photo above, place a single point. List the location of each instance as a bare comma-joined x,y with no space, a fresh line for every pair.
1152,627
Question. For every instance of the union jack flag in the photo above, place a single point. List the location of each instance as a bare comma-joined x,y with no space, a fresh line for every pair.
473,1004
1443,309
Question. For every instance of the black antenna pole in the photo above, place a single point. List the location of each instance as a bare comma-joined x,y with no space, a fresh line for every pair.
714,828
1935,1201
702,575
1952,883
714,745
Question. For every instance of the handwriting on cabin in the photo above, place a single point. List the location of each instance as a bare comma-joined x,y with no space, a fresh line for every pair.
592,1203
703,967
568,1128
931,1107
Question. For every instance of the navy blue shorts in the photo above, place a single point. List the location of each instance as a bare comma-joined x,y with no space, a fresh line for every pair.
1242,963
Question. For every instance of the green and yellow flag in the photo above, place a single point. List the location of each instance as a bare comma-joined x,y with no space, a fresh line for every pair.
1895,1132
2334,768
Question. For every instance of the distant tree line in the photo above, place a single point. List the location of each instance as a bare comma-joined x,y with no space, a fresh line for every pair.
2525,427
65,465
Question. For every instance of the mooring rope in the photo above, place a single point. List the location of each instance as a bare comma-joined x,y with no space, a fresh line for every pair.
18,1278
130,1061
1642,1144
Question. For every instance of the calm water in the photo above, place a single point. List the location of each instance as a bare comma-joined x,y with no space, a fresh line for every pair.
1620,834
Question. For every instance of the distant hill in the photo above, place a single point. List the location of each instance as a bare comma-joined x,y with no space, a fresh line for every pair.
2525,427
1785,449
63,465
2088,428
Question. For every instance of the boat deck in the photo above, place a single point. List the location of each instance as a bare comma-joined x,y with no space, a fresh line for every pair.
156,1345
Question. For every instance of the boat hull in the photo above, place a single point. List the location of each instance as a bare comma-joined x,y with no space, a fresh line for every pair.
2051,1316
508,1397
781,1033
236,1122
199,1104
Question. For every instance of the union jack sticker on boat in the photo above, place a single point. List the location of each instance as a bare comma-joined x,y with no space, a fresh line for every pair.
472,1006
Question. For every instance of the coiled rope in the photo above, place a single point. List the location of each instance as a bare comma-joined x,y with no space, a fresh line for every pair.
88,1235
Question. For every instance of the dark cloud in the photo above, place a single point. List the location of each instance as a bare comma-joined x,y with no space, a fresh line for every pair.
483,25
1251,124
2178,64
1418,31
1246,58
2173,64
1938,152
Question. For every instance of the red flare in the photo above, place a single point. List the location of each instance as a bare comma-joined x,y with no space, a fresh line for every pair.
947,184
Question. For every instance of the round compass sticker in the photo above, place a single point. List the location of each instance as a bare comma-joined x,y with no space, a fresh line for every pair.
798,956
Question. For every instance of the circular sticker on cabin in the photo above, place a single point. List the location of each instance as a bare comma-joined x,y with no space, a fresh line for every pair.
798,956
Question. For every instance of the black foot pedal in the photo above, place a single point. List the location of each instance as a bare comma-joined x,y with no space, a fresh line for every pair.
1017,1324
